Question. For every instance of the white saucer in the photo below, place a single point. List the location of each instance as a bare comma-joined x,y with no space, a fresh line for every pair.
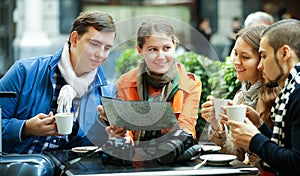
218,159
210,148
84,149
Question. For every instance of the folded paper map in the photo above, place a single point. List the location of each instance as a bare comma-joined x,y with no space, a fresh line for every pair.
139,115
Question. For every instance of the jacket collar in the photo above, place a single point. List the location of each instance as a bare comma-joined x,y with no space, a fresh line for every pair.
184,82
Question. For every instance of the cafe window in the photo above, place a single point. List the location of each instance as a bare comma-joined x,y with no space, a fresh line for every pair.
7,34
68,10
210,11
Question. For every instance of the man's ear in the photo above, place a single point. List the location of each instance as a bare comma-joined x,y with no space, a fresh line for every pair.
285,53
73,38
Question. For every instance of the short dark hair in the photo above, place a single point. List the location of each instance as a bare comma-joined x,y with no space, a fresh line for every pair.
101,21
284,32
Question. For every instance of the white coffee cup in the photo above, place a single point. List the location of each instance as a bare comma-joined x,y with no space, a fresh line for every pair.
236,112
64,123
218,103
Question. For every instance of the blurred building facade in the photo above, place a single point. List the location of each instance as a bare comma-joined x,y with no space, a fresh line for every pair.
37,27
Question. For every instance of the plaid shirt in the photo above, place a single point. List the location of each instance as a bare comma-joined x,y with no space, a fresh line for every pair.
42,143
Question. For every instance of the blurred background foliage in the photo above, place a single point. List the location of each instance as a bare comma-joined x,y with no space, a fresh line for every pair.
218,78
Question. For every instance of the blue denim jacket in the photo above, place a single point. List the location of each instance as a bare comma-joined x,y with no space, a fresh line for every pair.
31,79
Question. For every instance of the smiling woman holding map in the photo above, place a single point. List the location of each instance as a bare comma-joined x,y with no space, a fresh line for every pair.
158,77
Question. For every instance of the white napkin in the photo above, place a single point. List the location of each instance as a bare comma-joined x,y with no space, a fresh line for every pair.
65,98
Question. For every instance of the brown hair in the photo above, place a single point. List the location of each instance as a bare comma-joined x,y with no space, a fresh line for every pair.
101,21
150,26
284,32
252,35
267,96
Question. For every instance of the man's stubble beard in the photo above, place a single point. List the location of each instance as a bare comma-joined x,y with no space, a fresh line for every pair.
275,82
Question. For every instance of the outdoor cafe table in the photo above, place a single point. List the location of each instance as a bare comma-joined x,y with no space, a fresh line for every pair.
94,166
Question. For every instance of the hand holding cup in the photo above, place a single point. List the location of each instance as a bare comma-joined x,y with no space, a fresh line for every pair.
64,123
218,104
236,112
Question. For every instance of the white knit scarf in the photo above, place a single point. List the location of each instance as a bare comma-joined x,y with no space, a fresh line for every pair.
81,83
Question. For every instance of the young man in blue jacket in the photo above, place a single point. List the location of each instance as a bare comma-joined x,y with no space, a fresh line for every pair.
28,122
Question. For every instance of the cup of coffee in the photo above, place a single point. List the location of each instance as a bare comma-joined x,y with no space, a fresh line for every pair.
218,103
236,112
64,123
